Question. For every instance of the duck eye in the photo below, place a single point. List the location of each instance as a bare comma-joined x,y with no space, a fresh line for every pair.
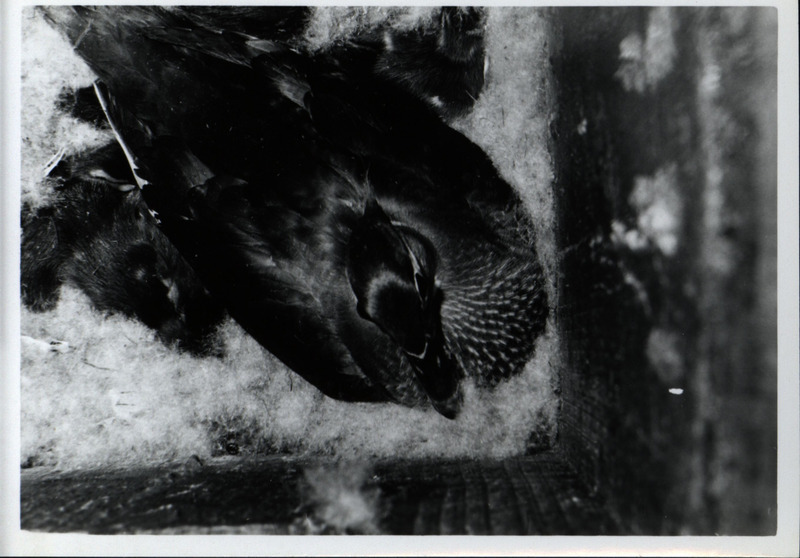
421,285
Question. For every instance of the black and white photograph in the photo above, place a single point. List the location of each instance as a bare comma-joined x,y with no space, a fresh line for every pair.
479,270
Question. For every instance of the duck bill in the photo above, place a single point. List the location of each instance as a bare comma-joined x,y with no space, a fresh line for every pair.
439,376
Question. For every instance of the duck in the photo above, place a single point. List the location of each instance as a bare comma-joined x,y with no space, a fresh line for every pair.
331,211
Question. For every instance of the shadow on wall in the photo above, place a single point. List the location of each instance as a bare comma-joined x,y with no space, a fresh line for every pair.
666,196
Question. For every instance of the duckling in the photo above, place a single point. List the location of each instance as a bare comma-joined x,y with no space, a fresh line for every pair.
444,66
339,220
97,235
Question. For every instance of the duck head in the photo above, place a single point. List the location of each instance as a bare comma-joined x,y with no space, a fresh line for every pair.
392,271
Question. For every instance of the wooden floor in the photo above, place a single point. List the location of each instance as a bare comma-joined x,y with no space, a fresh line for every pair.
279,495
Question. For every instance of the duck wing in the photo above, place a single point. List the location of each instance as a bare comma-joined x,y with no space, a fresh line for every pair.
170,64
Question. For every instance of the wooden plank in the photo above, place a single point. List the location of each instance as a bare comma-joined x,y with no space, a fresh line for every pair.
520,496
476,516
504,514
453,516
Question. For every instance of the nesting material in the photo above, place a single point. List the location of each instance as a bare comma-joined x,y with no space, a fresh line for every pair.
340,500
115,395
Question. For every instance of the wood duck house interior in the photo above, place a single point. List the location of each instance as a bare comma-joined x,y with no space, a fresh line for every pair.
490,271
